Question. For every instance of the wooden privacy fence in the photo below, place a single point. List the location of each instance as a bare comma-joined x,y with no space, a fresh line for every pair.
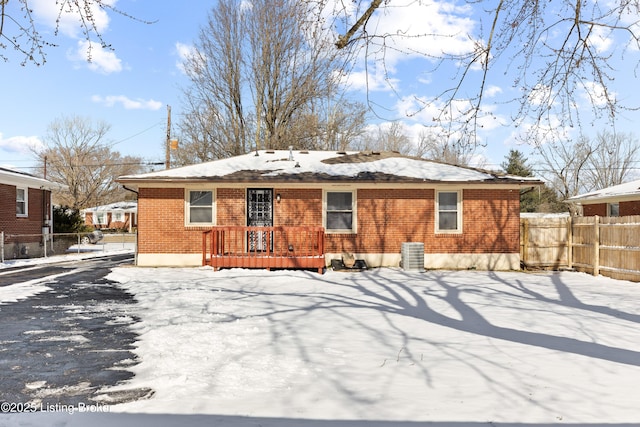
264,247
598,245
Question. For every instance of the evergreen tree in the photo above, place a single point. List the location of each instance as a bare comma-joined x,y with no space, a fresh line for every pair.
516,164
67,220
540,199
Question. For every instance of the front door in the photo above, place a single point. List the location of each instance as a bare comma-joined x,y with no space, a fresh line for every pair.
259,214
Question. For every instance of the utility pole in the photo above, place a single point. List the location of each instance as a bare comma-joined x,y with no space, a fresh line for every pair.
168,153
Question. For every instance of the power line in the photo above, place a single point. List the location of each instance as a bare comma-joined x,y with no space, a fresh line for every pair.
137,134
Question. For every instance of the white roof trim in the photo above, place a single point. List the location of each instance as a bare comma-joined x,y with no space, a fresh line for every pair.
626,191
20,179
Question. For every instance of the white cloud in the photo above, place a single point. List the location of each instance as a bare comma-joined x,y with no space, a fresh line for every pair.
601,38
411,30
21,144
492,91
596,95
369,81
184,51
101,60
127,103
68,16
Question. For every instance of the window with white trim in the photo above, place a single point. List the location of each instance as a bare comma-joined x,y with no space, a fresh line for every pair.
613,209
22,206
117,216
339,211
200,207
100,218
448,212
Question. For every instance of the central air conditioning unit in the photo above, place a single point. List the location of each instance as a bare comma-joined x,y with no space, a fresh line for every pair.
412,256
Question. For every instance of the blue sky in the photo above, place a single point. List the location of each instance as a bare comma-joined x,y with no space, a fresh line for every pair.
130,87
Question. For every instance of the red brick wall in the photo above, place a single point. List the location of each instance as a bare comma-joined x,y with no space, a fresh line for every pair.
298,207
630,208
10,223
599,209
230,206
385,218
161,226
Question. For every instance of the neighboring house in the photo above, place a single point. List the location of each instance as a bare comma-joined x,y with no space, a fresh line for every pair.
26,212
366,204
618,200
119,216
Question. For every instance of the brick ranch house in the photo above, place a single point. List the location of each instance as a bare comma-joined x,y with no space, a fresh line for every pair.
618,200
116,216
26,212
364,203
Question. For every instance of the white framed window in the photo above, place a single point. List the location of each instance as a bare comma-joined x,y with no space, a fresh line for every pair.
613,209
340,211
200,207
100,218
117,216
448,211
22,202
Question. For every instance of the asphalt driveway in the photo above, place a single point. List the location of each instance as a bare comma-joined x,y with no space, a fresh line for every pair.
64,345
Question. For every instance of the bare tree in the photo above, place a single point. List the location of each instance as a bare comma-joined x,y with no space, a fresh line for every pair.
328,124
588,164
261,75
215,124
388,137
19,30
614,157
552,53
78,156
564,167
292,64
443,149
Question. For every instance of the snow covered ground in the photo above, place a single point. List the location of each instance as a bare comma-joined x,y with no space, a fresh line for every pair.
382,347
75,252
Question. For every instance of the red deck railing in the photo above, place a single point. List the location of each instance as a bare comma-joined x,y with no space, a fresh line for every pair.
264,247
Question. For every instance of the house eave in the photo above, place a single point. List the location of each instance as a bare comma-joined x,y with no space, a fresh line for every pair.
297,181
594,200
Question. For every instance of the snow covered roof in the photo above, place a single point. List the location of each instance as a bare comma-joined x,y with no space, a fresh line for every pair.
626,191
22,179
324,166
126,206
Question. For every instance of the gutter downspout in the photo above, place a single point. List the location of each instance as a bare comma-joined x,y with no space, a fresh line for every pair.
135,261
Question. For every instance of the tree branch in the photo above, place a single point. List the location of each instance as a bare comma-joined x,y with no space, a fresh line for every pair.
343,41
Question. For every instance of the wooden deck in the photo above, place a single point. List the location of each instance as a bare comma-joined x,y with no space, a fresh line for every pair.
264,247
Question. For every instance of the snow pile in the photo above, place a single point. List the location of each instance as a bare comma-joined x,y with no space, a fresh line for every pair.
249,348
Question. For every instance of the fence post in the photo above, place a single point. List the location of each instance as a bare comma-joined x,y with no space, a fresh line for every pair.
570,242
596,245
525,247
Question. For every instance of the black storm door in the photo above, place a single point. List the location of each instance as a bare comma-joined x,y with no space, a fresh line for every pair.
259,214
